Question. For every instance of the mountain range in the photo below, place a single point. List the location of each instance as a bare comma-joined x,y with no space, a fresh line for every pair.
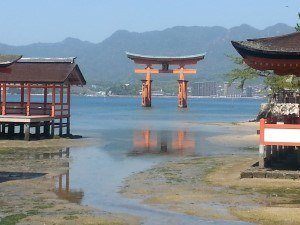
106,61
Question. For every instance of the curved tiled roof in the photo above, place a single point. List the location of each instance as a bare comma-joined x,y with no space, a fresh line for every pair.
43,70
274,47
165,59
7,60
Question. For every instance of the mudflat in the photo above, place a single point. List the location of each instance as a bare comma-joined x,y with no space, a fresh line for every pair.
211,187
28,186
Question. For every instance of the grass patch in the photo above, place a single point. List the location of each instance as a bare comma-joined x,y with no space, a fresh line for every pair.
7,150
12,219
45,206
70,217
32,212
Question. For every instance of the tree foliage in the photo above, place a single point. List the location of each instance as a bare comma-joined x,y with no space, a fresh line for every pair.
273,83
298,24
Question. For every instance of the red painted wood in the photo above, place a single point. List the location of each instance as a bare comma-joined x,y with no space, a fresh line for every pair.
53,102
28,100
3,106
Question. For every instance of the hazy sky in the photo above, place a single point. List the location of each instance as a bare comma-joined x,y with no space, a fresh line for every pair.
29,21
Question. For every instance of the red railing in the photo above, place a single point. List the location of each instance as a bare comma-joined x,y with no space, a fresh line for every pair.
279,134
56,110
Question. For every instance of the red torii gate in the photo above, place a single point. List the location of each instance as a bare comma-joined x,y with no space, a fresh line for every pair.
165,62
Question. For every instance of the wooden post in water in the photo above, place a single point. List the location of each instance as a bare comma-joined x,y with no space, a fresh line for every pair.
182,90
146,89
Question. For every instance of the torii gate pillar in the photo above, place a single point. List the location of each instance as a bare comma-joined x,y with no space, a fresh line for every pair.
182,89
146,92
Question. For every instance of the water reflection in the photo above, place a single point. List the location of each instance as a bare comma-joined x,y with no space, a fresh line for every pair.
181,142
9,176
62,153
62,189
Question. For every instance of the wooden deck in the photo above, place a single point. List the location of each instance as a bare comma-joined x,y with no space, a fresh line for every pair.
24,119
16,124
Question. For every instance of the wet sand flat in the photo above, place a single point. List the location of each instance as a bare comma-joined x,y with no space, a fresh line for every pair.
36,201
210,187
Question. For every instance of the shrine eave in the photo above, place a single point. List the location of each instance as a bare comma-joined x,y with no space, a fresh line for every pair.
172,60
282,63
7,60
249,48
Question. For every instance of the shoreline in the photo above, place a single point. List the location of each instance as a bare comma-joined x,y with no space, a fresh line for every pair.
159,96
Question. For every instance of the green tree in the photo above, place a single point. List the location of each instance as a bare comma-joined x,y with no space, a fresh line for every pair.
298,24
273,83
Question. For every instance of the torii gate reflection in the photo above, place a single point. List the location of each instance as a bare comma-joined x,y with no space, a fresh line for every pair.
165,62
179,142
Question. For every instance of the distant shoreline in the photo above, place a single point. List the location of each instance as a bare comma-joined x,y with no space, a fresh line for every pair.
191,97
158,96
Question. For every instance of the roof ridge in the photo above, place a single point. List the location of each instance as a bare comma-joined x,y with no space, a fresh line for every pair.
47,60
274,37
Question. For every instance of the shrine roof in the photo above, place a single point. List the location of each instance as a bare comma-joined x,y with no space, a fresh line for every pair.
43,70
187,59
284,46
7,60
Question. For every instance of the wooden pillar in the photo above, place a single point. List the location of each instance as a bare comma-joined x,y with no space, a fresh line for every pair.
53,111
146,89
53,102
1,98
47,129
61,100
69,109
45,98
28,100
22,98
3,129
297,149
182,90
262,150
38,130
262,155
3,106
268,159
11,130
27,132
21,129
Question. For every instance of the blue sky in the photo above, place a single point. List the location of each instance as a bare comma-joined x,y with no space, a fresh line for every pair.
30,21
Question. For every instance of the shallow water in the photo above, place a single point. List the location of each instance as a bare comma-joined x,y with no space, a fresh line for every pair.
137,138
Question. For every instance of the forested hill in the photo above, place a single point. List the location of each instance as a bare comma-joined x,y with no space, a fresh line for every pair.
106,61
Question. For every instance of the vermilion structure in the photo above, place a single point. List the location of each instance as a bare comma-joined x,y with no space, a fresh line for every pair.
165,62
28,76
280,54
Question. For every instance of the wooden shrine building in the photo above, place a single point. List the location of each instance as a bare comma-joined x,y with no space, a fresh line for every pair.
35,96
280,131
165,62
